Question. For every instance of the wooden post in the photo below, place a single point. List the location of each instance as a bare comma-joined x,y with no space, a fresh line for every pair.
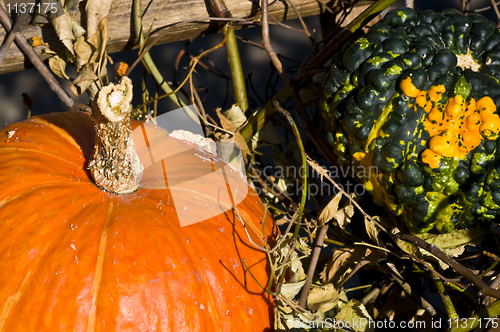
121,36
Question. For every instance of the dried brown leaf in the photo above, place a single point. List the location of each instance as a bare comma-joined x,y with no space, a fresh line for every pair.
97,10
354,313
225,122
341,262
237,138
291,289
236,115
331,210
78,30
58,66
83,81
453,244
83,52
64,27
323,298
372,230
345,214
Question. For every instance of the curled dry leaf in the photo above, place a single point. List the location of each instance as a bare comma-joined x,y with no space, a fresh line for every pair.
78,30
97,10
225,122
62,22
292,258
237,138
287,318
322,299
58,66
355,314
235,115
453,244
341,262
83,51
372,231
83,81
331,210
290,290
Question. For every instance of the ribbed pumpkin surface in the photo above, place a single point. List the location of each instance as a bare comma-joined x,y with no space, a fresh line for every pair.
76,258
413,108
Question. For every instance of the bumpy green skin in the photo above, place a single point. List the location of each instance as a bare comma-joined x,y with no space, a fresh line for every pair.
364,81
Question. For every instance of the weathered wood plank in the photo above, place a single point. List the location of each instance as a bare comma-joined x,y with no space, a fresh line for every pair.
121,36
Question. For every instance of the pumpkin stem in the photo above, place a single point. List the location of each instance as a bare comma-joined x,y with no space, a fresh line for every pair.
115,165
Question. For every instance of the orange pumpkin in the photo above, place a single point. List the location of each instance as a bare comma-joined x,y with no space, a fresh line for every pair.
76,258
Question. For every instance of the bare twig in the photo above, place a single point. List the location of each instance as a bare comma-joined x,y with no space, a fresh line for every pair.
168,28
20,21
267,43
312,265
304,26
354,270
445,298
407,288
296,133
148,61
465,272
39,65
325,7
495,8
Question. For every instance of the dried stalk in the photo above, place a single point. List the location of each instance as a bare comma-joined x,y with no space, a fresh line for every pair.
115,165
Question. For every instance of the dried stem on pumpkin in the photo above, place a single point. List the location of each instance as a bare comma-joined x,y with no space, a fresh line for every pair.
115,165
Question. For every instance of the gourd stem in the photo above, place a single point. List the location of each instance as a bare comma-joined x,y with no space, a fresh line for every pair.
115,165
